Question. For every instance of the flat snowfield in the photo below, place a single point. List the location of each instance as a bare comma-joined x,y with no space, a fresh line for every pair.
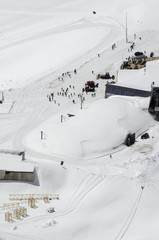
88,184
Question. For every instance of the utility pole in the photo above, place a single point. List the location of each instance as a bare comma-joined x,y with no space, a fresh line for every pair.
2,97
126,30
41,135
81,96
117,75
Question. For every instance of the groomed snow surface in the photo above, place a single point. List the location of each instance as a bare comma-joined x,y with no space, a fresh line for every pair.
106,189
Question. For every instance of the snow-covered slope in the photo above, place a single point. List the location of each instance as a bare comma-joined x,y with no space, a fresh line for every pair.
38,39
94,131
106,190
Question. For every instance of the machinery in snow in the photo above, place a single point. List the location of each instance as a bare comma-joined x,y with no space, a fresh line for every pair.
105,76
90,86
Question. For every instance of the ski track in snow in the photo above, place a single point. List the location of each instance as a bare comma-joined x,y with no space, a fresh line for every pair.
133,211
84,188
79,24
114,30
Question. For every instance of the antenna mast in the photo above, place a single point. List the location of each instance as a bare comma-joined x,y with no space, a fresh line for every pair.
126,29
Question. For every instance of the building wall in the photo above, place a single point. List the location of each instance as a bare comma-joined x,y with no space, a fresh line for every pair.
17,176
2,174
125,91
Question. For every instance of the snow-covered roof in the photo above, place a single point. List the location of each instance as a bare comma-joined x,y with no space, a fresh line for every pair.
9,162
140,79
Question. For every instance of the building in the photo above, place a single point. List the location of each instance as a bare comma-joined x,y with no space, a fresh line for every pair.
13,168
113,89
154,102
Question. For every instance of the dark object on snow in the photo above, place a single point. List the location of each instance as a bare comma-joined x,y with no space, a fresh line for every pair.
94,12
70,115
51,210
132,46
152,54
90,86
125,64
113,46
113,77
62,162
104,76
139,55
130,139
145,136
154,102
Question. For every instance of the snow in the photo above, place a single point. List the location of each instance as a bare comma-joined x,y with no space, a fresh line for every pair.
92,135
14,163
26,52
141,79
106,190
